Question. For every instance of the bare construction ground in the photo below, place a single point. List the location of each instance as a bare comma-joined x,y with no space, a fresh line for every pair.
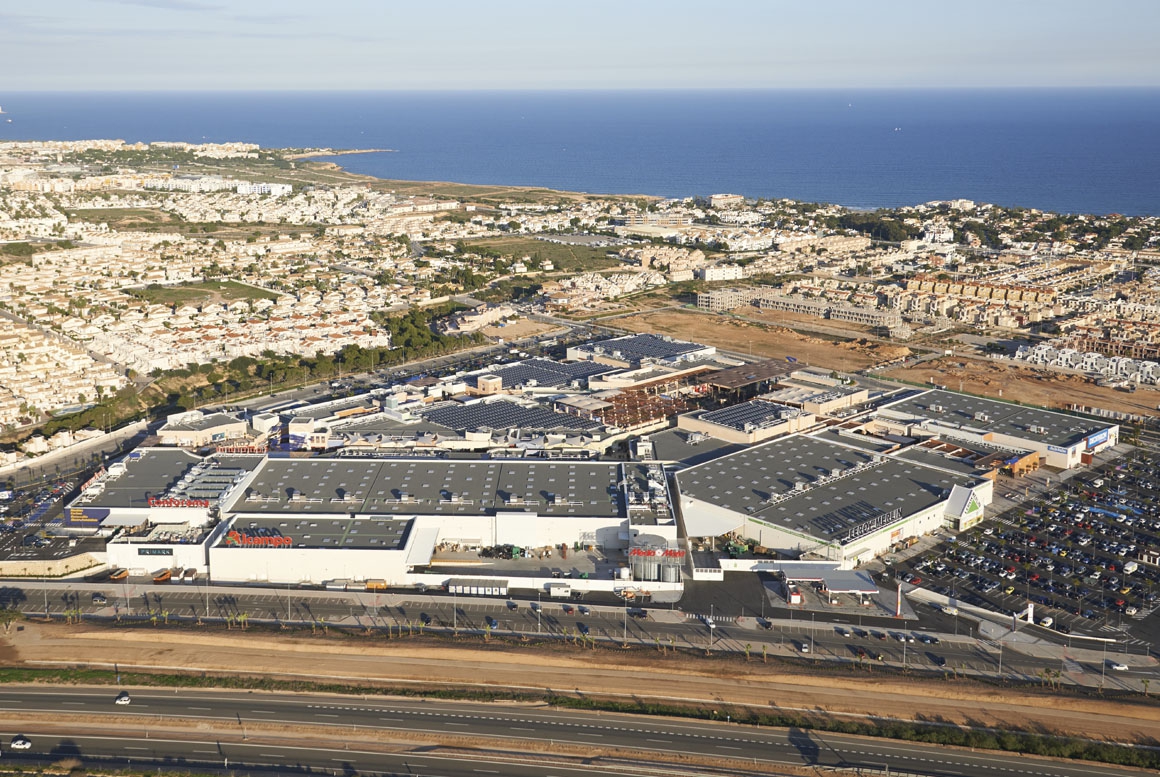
561,668
1046,388
768,340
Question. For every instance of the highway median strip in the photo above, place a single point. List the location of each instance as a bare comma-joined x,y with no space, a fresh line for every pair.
1032,743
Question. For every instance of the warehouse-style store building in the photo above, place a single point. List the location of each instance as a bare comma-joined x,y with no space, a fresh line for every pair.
809,497
382,519
1062,441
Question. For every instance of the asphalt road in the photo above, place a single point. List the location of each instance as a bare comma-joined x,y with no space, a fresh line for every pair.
503,727
826,641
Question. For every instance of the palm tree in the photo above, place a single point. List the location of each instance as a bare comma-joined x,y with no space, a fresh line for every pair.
763,652
747,647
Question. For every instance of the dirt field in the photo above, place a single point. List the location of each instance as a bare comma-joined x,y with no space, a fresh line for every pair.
525,327
767,340
1038,387
563,668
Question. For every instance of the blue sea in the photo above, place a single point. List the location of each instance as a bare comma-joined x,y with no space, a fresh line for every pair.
1074,151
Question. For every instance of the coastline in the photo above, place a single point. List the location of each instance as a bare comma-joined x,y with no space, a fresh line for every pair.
341,152
456,189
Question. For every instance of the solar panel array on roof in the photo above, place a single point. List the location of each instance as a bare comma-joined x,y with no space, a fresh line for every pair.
757,414
636,348
505,415
545,372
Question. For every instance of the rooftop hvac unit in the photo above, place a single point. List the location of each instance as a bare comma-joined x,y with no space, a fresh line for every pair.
982,417
937,409
800,485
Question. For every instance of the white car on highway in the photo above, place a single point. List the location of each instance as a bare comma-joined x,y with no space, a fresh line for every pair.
123,698
20,742
1117,666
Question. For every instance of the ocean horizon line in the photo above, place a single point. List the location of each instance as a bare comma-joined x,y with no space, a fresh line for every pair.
598,90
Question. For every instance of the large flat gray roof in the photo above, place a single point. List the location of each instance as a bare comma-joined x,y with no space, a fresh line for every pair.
949,408
149,472
202,424
433,487
156,472
330,407
934,459
761,482
375,533
672,445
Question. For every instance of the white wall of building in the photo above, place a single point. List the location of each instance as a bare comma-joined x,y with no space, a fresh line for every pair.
290,566
144,555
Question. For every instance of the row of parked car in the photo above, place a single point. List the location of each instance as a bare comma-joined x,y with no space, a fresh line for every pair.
1078,552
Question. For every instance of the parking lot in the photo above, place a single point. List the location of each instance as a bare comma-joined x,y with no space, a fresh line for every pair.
1075,554
26,515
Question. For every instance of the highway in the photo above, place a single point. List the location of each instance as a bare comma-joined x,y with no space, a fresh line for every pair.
241,731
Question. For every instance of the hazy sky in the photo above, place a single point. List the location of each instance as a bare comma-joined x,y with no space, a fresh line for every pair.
599,44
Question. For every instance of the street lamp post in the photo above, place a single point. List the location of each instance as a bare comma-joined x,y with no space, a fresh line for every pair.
539,609
1103,665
